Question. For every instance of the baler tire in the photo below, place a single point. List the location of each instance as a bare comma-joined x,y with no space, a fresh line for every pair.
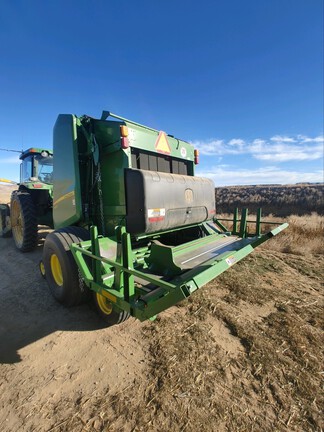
5,230
23,218
61,271
107,312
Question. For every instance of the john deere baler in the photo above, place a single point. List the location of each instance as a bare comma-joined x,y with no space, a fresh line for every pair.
133,224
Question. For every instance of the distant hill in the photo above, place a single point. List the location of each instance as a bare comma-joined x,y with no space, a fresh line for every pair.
279,200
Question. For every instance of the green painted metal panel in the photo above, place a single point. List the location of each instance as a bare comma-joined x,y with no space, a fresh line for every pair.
104,138
31,185
146,139
67,207
113,161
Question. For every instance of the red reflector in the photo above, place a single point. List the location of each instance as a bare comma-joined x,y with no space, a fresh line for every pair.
196,155
156,219
124,143
37,185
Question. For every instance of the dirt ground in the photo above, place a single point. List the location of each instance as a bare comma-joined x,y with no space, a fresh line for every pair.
242,354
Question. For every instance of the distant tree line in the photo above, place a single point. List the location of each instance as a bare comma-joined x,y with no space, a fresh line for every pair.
279,200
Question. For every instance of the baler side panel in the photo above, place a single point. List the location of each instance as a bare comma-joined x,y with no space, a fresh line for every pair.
67,205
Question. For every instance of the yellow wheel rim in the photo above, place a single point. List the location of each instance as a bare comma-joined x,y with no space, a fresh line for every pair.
42,268
104,304
17,223
56,270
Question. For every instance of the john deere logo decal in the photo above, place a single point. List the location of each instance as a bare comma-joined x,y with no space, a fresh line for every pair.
189,196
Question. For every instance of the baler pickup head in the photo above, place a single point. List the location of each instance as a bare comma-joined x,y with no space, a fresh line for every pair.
144,281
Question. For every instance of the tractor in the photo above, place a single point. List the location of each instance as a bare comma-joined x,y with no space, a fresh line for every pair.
133,226
31,204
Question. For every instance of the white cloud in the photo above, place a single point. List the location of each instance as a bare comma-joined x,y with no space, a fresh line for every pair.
284,139
277,149
236,142
267,175
292,152
210,147
306,139
216,147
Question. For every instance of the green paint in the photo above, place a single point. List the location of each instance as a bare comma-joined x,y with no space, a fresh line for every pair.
67,205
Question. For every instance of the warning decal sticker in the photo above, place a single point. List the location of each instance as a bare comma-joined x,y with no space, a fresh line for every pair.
231,260
162,145
156,215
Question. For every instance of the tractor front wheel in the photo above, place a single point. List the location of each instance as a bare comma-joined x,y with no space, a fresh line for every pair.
60,268
107,312
23,218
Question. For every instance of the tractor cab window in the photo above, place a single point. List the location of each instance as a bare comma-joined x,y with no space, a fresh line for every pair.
44,168
26,169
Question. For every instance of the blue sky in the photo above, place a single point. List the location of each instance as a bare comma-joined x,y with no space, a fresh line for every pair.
242,80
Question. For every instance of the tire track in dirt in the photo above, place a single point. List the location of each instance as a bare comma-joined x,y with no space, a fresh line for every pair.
243,353
49,353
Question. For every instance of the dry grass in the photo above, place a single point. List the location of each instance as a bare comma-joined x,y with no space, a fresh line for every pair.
244,353
305,234
281,200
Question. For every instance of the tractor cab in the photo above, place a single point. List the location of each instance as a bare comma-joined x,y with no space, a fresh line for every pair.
36,166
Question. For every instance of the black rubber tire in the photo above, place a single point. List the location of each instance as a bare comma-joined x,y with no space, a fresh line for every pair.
73,290
5,230
22,203
112,318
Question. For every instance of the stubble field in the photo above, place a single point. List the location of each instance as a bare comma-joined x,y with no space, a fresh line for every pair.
245,353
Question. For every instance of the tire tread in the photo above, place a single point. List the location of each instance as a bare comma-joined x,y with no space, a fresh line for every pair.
61,239
29,214
4,213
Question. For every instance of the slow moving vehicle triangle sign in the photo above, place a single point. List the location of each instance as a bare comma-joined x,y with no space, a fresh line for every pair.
162,145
